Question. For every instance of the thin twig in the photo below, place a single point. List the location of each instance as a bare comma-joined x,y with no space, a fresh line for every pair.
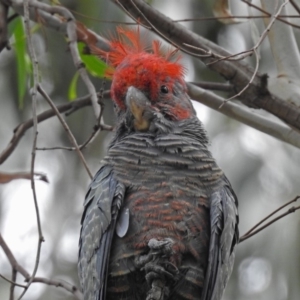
201,19
7,177
100,20
279,18
12,17
249,82
33,154
67,108
214,86
271,214
3,26
251,231
106,94
67,129
60,283
20,130
85,144
13,284
295,5
15,265
12,260
72,35
208,53
132,17
290,210
244,54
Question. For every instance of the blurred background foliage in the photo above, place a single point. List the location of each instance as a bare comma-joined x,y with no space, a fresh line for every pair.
263,171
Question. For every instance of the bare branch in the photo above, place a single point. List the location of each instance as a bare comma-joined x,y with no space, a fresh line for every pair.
271,214
63,284
12,286
20,130
250,81
252,232
3,26
248,17
288,64
67,129
72,35
295,5
85,144
7,177
244,54
279,17
13,283
13,262
35,128
15,265
214,86
242,114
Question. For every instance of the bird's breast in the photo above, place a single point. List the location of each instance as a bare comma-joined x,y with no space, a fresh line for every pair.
169,180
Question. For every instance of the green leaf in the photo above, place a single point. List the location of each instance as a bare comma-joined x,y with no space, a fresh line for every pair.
72,93
94,65
20,47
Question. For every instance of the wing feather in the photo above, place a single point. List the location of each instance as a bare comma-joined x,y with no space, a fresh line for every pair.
224,237
101,207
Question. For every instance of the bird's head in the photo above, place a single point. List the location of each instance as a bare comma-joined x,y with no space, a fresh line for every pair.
146,83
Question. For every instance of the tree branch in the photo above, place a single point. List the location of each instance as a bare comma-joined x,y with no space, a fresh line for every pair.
15,265
242,114
215,86
20,130
67,129
3,26
34,62
252,231
7,177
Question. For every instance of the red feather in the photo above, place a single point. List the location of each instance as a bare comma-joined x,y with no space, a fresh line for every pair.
129,43
132,63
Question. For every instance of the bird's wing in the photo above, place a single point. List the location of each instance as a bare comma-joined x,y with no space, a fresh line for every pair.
224,237
101,208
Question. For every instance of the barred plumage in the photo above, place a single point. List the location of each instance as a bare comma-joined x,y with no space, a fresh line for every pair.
160,217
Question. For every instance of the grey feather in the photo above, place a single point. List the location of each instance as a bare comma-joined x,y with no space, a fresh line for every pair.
224,237
102,203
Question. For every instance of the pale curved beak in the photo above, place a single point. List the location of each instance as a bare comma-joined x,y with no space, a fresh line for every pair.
139,105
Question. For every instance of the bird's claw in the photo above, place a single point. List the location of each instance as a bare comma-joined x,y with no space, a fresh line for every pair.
164,246
157,271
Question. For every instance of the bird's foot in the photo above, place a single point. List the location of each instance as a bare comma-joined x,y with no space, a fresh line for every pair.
158,291
159,270
164,246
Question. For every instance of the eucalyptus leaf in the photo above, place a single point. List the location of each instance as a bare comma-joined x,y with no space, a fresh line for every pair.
22,62
72,93
94,65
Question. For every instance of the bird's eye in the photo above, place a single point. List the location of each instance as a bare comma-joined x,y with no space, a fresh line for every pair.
164,89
